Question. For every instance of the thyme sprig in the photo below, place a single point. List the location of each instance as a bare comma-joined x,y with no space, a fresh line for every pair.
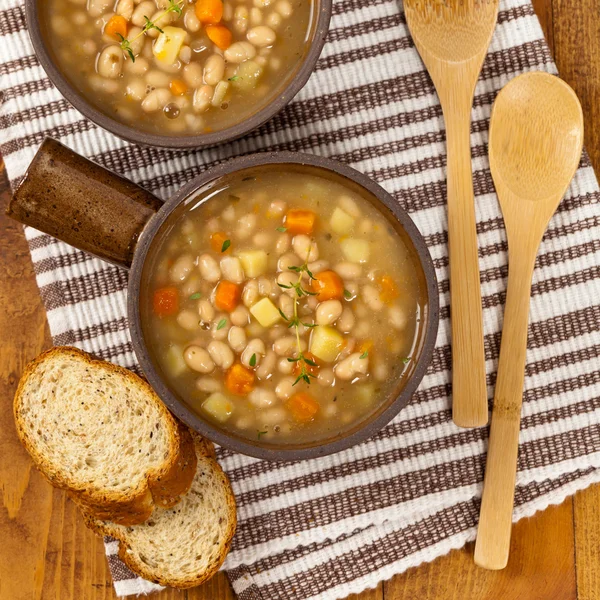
175,6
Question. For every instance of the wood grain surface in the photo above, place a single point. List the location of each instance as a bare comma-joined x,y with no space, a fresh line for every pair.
47,553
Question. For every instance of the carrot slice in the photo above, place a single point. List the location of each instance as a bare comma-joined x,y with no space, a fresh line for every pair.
227,296
116,26
303,407
239,380
219,35
300,221
178,87
389,291
217,240
209,11
328,285
165,301
312,369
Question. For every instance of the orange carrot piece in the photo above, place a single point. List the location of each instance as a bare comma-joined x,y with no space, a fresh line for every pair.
178,87
209,11
300,221
165,301
328,285
239,380
228,295
116,26
219,35
389,291
365,346
312,369
303,407
217,240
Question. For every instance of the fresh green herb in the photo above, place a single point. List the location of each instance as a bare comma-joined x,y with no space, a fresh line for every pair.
225,245
406,360
253,360
364,354
347,294
196,296
221,324
150,25
282,229
234,78
126,47
261,433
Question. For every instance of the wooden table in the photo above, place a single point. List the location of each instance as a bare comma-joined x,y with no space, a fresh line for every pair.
46,551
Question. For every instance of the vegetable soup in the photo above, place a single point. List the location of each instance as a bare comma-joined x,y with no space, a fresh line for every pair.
283,306
178,66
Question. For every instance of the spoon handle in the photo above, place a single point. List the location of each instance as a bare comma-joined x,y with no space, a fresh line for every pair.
469,392
495,518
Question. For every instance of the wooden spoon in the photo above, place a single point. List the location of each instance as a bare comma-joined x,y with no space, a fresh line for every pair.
536,136
452,38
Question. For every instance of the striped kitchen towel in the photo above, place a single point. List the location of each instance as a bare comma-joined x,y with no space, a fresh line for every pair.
329,527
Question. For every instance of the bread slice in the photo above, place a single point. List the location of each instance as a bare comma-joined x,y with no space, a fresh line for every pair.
100,432
185,545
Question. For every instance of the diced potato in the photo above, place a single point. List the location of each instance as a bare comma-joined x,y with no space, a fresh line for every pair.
254,262
218,406
364,394
247,75
326,343
357,251
174,363
168,44
341,222
265,313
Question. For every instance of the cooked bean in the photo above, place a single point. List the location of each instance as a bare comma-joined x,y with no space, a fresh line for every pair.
286,304
261,36
282,244
346,320
220,334
352,288
192,75
288,260
209,269
264,286
125,8
221,354
312,303
285,388
274,20
202,98
261,397
326,377
246,225
240,19
206,310
305,248
285,366
97,7
240,316
181,268
267,366
328,312
245,422
256,348
237,338
208,384
250,293
380,371
232,270
362,329
227,11
185,54
228,214
277,208
371,297
262,3
365,227
255,329
239,52
287,345
190,20
255,16
397,317
142,10
188,319
262,239
352,366
157,79
284,8
136,44
278,331
110,62
329,410
161,19
318,266
273,416
89,47
198,359
285,280
136,90
350,206
214,68
348,348
221,90
156,100
348,270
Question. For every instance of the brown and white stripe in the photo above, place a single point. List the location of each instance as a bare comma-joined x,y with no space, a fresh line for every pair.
326,528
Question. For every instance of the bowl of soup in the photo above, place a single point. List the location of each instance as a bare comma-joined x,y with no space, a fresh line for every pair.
282,305
178,73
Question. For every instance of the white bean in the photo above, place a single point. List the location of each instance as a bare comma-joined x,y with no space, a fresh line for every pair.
157,79
240,52
240,19
255,16
305,248
365,227
136,43
352,287
284,8
282,244
191,21
380,371
219,334
228,214
240,316
156,100
349,205
198,359
261,398
285,388
202,98
192,75
274,20
264,286
237,338
139,67
318,266
97,7
221,354
261,36
276,209
250,293
181,268
136,90
277,331
346,320
288,260
262,239
348,348
209,269
188,319
161,19
125,8
214,68
207,384
328,312
326,377
220,92
287,345
110,62
206,310
267,366
397,317
371,297
231,268
143,9
285,280
286,304
352,366
256,348
185,54
272,416
285,366
246,225
348,270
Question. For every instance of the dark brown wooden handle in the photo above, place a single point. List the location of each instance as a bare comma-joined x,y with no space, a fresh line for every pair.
83,204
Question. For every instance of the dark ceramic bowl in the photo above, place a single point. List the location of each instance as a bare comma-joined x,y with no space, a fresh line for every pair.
317,31
91,208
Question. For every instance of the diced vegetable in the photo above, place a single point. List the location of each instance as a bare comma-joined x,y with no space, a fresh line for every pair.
218,406
116,26
219,35
174,363
254,262
389,291
168,44
357,251
312,369
247,75
303,407
265,312
341,222
165,301
300,221
239,380
227,296
209,11
365,346
178,87
217,240
328,285
326,343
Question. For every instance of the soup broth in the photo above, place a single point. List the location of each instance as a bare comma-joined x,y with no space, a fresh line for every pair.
178,66
285,308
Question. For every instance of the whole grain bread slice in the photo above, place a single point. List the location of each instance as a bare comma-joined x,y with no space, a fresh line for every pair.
185,545
100,432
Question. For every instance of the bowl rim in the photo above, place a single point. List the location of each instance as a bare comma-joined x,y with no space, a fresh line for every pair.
78,101
219,436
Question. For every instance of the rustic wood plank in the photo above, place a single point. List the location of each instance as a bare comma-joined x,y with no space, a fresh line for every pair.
587,543
544,12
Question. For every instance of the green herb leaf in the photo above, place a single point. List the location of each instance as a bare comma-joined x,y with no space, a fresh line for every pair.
295,269
364,354
282,314
347,294
285,287
126,47
234,78
221,324
309,325
196,296
282,229
260,433
312,363
252,362
150,25
298,380
293,359
406,360
225,245
310,273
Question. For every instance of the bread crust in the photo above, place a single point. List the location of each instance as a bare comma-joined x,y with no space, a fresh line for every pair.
162,486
